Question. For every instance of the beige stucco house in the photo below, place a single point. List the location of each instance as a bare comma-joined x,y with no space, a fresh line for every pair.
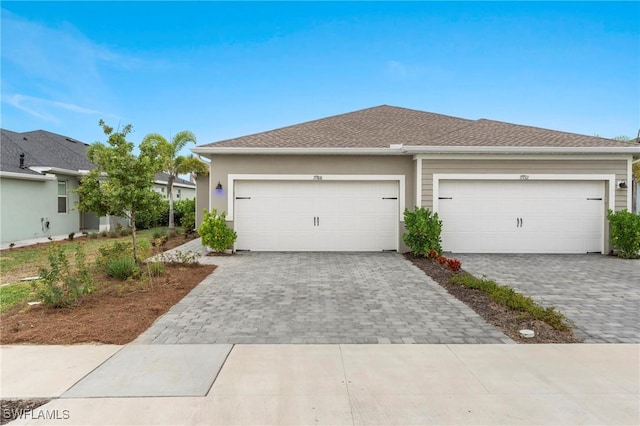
342,183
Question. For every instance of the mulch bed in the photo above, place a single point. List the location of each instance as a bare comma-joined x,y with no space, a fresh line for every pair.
507,320
116,313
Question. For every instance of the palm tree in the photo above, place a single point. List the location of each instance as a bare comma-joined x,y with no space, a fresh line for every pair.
174,164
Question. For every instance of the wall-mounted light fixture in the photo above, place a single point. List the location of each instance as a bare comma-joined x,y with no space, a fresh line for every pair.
622,184
218,186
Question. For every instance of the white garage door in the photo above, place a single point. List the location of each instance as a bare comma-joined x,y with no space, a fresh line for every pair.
521,216
316,215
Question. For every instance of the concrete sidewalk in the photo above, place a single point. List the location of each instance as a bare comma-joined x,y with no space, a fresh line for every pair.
326,384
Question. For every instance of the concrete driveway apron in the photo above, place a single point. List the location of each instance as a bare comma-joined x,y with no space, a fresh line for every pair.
599,294
319,298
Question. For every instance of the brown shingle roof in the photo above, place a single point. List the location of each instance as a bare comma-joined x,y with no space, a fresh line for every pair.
376,127
496,133
381,126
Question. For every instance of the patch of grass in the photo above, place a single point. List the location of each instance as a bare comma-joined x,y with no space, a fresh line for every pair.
26,262
507,296
14,294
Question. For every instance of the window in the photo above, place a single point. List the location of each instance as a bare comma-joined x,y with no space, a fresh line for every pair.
62,197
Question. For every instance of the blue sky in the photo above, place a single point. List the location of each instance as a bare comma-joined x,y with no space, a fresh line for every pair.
229,69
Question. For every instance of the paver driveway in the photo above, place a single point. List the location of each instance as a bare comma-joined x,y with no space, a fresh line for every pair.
600,294
319,298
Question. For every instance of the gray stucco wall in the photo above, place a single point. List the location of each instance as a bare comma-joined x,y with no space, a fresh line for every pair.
26,204
202,197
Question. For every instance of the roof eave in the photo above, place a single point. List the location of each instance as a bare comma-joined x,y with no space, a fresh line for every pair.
26,176
57,170
400,150
520,150
180,184
296,151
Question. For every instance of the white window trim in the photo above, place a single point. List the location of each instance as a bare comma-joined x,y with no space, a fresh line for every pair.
232,178
66,195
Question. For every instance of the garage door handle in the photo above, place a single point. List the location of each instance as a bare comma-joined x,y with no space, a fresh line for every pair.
318,220
314,221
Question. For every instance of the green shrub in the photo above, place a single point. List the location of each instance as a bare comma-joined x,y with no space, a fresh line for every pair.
71,235
115,250
92,236
154,215
60,286
507,296
159,234
155,269
423,231
181,210
624,233
189,222
122,268
214,231
160,241
144,250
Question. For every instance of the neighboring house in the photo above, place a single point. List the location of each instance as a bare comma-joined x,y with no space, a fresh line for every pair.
39,172
342,183
182,189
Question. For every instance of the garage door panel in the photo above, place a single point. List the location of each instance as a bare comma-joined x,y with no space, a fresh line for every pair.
522,216
316,215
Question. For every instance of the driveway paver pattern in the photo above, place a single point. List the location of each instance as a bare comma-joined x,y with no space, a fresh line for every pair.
599,294
319,298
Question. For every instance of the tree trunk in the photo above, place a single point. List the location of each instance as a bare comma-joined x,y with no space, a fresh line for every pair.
133,236
170,193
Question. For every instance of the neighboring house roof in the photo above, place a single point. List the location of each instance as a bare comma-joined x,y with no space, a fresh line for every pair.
50,150
388,127
41,149
164,177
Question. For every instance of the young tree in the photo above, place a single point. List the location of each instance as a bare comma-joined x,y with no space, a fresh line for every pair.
122,183
174,164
